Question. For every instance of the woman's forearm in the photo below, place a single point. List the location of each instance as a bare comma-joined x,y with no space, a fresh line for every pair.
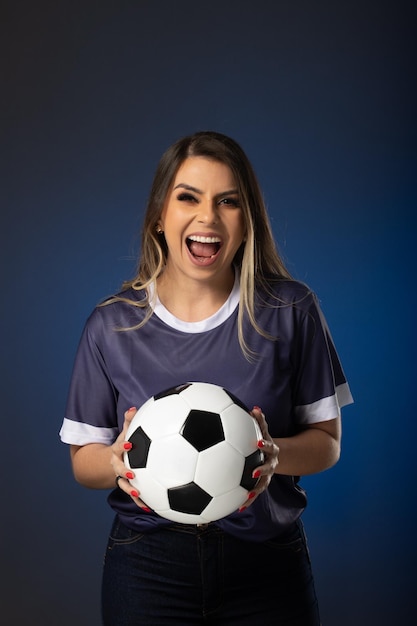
91,465
313,450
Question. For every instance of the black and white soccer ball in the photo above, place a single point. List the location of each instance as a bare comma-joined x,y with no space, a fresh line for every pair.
194,448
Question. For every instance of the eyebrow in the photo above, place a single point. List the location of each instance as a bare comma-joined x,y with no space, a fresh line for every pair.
190,188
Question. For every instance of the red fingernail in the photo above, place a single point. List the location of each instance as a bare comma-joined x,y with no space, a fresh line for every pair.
127,445
261,443
146,508
251,495
134,493
256,474
130,475
242,508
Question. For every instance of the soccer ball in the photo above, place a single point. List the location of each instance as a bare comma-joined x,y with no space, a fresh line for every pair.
194,448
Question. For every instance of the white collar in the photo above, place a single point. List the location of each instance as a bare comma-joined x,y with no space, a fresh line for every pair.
201,326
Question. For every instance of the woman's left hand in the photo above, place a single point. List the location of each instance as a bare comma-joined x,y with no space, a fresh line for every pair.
271,453
122,473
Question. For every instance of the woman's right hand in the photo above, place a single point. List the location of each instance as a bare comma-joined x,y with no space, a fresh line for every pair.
122,473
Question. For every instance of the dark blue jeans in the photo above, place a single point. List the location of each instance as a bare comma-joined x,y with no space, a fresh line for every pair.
187,576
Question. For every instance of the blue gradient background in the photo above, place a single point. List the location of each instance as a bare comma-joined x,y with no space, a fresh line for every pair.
321,95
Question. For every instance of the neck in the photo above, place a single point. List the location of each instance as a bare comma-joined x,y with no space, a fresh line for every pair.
193,300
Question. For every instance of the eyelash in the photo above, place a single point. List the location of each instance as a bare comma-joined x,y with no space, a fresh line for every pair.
187,197
234,202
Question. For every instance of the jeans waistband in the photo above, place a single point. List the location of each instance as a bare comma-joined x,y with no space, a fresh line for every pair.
194,528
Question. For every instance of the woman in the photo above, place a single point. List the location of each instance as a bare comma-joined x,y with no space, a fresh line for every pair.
211,301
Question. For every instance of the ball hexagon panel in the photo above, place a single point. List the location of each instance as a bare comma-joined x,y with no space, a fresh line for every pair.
240,429
231,501
172,460
237,401
151,491
206,396
221,459
163,417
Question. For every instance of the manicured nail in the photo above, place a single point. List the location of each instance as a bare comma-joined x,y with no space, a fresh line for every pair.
257,408
261,443
256,474
146,508
134,493
130,475
127,445
251,495
242,508
132,408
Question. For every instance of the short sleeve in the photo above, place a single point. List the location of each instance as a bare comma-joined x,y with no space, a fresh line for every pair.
91,409
321,388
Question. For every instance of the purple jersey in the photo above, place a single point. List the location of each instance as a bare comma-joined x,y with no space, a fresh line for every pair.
297,379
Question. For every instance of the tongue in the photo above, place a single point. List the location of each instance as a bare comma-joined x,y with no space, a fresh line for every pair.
203,249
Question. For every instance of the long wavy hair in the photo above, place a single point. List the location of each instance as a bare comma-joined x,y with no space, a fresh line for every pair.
257,258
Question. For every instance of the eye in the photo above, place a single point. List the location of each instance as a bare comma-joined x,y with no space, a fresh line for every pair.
186,197
232,202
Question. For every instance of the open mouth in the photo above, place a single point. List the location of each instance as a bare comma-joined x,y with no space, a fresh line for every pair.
203,248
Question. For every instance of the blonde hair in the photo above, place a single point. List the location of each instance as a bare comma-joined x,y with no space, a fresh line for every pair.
257,258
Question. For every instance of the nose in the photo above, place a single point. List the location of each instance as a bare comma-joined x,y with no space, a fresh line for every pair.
208,212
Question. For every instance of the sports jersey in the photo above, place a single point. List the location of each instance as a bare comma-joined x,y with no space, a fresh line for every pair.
296,378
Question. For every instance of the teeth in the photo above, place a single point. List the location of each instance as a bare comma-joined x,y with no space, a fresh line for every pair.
199,239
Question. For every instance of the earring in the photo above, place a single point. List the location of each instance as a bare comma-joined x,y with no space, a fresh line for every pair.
159,230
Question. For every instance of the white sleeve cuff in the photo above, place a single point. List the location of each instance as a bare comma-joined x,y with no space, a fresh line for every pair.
79,434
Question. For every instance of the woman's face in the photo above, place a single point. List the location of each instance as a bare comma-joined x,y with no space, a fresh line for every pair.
202,221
